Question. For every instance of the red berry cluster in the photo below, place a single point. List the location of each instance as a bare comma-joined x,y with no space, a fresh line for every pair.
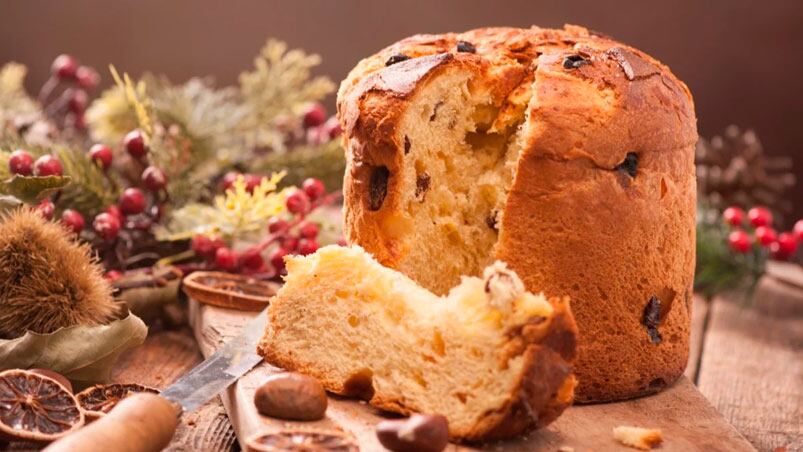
21,163
294,235
318,128
781,246
68,107
131,210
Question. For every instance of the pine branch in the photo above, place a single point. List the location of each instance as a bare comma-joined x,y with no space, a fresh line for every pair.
718,268
280,84
326,162
89,191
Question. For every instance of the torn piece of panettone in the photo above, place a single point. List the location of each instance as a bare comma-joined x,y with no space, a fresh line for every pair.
492,358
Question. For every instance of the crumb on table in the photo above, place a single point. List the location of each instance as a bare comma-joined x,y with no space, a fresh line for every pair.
638,437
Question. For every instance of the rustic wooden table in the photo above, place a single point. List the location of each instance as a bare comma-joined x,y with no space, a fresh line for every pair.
745,358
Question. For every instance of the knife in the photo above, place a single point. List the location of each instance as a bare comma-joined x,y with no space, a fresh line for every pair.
146,422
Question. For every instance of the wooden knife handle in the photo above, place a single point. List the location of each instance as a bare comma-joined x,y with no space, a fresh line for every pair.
141,423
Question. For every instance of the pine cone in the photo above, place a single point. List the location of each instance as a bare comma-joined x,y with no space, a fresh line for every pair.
732,169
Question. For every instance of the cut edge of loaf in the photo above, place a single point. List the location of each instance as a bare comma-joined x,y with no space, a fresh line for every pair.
339,304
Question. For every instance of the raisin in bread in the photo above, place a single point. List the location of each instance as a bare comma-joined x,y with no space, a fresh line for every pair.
491,357
564,153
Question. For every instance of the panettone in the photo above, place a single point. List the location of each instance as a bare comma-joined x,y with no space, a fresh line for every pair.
564,153
492,358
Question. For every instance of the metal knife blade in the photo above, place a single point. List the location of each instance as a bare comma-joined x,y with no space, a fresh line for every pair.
223,368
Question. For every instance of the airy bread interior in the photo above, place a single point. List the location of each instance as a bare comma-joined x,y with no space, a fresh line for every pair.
368,331
461,149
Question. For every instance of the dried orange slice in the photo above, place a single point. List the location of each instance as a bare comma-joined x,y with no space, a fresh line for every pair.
34,407
228,290
296,440
100,399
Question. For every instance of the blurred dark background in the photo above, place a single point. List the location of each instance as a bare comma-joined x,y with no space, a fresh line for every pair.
742,59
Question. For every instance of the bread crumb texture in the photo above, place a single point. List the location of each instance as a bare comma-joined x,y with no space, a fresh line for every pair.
637,437
493,359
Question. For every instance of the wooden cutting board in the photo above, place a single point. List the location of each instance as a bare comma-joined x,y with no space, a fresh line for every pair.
687,420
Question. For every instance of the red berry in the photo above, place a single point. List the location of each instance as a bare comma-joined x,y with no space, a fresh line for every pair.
113,275
277,259
116,212
87,77
206,246
228,180
307,246
342,242
78,101
297,202
787,242
739,241
308,230
132,201
64,67
101,154
276,224
314,115
226,259
154,179
47,165
777,253
134,143
46,208
332,128
734,216
765,235
252,181
76,120
290,244
314,188
759,216
73,220
107,226
20,162
251,259
798,230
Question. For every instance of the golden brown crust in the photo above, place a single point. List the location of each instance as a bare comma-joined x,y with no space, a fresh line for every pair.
545,386
573,223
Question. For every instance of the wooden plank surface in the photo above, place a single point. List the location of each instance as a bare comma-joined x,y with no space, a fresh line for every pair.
752,371
688,421
165,356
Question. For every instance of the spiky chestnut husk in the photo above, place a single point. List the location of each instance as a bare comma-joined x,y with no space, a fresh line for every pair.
47,279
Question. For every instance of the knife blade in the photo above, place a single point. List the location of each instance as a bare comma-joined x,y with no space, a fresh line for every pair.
146,422
217,372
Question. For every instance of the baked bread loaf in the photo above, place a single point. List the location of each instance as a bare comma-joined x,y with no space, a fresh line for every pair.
492,358
564,153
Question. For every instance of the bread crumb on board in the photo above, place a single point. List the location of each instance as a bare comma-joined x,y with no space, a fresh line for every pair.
637,437
565,449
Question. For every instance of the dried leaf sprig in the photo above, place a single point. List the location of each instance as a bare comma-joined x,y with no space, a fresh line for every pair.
237,214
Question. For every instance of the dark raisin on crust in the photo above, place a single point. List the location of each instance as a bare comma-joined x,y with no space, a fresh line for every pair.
407,145
466,47
378,188
421,185
574,61
629,165
398,58
651,318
